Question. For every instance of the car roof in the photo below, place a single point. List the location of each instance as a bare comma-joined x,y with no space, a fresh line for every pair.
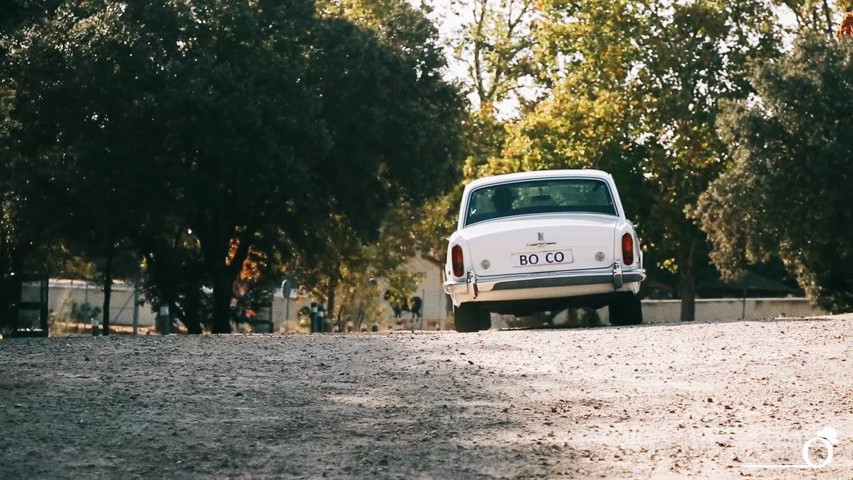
514,177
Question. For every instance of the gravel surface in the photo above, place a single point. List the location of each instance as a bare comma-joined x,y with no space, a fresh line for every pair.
659,401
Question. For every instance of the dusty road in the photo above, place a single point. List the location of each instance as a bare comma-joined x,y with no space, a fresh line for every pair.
686,400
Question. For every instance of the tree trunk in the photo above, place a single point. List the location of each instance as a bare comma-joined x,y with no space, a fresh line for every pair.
4,270
4,287
191,311
14,266
222,294
5,303
330,295
827,12
214,244
108,290
687,286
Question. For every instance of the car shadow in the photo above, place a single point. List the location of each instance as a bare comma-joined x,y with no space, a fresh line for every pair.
828,318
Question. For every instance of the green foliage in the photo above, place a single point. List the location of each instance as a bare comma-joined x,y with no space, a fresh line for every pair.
183,129
401,284
347,270
695,57
496,47
786,193
71,311
436,218
409,131
400,114
174,272
107,94
70,317
636,89
14,14
570,130
84,313
360,305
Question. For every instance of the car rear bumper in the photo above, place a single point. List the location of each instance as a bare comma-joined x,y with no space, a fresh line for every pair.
544,285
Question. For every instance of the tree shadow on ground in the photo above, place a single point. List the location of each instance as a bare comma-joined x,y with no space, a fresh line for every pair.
266,406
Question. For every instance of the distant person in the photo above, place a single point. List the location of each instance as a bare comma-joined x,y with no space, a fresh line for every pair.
417,307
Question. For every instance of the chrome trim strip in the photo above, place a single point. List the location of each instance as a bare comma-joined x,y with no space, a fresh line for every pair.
562,279
627,277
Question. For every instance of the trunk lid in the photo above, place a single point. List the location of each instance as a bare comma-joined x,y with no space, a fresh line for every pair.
542,244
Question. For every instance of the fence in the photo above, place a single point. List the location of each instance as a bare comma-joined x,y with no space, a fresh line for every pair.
66,296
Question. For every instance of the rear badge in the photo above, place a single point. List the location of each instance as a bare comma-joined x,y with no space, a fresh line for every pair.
485,264
541,236
599,256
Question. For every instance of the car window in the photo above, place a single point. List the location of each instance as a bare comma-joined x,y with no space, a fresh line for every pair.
540,196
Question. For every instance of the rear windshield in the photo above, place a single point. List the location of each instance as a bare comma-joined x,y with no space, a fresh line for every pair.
540,196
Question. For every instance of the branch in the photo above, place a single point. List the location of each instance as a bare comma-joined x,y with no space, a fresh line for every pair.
827,12
243,245
478,73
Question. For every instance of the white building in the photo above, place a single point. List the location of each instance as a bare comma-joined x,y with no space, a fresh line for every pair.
430,275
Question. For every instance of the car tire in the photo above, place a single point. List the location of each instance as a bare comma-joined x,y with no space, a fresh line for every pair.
626,309
467,318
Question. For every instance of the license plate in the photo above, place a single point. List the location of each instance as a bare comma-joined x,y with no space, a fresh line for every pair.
541,258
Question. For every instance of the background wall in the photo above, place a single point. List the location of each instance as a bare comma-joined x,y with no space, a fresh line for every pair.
63,293
717,309
711,310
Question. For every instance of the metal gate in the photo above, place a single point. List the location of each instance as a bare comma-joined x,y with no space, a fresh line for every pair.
27,315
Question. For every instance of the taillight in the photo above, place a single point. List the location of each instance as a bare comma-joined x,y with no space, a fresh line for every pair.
627,249
458,261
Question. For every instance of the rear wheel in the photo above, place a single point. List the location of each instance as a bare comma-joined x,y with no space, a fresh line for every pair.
469,318
626,309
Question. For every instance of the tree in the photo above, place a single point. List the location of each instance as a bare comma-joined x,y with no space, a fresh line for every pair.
816,16
495,44
94,118
403,120
697,57
786,192
128,92
398,104
29,213
637,87
174,272
202,132
346,271
846,29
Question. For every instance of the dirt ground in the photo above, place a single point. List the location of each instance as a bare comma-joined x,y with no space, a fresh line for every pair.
660,401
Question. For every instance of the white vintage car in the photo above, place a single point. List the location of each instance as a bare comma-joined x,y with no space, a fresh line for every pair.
543,241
